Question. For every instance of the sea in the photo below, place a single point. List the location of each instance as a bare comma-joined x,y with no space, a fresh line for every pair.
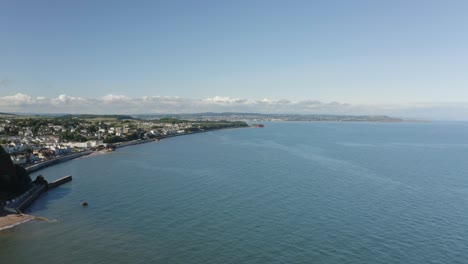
292,192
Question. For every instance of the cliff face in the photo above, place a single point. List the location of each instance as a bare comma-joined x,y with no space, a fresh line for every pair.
14,179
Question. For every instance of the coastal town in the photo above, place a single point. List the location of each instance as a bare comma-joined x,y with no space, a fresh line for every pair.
30,140
29,143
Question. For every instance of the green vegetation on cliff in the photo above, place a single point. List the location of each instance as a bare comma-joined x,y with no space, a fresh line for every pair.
210,125
14,179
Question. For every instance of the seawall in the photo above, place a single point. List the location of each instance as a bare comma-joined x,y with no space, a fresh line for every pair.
18,204
131,143
31,197
136,142
47,163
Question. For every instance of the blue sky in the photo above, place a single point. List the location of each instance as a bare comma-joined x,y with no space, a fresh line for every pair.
377,54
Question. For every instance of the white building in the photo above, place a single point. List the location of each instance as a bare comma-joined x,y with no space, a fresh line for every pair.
87,144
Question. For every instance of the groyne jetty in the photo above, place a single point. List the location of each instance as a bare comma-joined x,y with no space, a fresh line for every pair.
59,182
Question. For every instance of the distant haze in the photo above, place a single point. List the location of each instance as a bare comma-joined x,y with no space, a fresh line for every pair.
121,104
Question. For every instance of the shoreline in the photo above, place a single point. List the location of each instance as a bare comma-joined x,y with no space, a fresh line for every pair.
55,161
9,220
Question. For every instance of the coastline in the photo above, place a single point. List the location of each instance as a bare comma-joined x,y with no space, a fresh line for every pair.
47,163
9,220
54,161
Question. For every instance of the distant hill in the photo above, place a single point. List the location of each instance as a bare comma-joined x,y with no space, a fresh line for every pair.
273,117
6,114
89,116
228,116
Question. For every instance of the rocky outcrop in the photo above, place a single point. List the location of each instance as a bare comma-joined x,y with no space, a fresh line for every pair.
14,179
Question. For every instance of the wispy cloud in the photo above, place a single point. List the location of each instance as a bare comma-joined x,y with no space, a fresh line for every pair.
123,104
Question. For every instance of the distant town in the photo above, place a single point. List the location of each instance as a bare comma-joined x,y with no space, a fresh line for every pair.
257,117
31,139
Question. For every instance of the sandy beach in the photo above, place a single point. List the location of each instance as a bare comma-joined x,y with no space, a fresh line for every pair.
10,220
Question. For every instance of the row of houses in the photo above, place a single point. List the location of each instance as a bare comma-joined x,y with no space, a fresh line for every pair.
21,153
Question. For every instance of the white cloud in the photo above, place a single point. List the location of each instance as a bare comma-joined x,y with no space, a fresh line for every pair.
224,100
16,99
115,98
122,104
67,100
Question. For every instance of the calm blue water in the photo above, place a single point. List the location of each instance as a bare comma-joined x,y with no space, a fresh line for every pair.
288,193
